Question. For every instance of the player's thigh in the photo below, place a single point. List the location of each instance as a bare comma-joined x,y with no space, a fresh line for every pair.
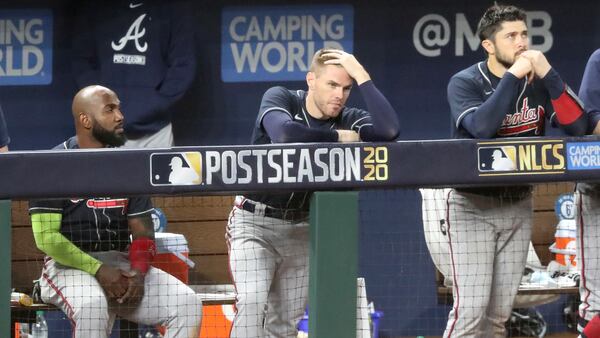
165,297
71,289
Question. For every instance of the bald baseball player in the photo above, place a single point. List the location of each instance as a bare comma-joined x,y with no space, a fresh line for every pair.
92,270
268,233
587,199
513,93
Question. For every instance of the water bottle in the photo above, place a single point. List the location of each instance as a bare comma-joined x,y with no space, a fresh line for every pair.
39,329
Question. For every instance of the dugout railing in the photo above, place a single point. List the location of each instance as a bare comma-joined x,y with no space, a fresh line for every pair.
293,167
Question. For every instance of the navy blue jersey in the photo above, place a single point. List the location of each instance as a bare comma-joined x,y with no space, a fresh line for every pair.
279,103
589,91
4,138
94,224
514,107
143,50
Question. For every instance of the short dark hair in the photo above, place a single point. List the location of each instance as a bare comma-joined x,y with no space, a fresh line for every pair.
492,19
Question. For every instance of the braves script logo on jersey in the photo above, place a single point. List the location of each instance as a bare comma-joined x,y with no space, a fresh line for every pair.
523,121
134,33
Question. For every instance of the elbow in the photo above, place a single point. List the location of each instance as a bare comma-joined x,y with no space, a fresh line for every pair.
480,133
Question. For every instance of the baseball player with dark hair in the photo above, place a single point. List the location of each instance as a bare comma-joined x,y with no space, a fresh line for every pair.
268,234
587,197
488,229
4,138
93,270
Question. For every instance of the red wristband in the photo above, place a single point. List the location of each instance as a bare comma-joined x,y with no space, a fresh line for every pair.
567,108
141,254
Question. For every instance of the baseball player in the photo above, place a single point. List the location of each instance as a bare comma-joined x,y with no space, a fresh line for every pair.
268,234
4,138
587,197
487,229
92,270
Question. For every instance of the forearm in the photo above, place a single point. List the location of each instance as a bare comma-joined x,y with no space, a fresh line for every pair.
485,120
282,129
50,241
143,247
386,125
569,113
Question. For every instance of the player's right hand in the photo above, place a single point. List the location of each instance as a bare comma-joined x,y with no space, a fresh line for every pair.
135,290
521,68
112,281
347,136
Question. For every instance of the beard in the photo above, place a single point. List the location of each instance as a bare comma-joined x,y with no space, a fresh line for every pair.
107,137
504,61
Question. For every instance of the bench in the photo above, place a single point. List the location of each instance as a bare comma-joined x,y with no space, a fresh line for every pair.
201,219
544,226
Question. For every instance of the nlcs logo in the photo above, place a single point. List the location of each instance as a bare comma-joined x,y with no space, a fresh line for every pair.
521,158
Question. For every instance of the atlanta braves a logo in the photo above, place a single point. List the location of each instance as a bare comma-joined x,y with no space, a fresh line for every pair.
523,121
135,33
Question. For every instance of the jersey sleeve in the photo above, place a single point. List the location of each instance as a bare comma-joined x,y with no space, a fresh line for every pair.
46,206
46,220
589,91
139,206
568,110
4,138
275,117
479,117
380,121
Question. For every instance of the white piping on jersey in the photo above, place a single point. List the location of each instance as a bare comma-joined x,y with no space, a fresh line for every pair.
485,76
141,212
305,117
465,112
108,229
552,116
42,208
97,227
462,115
519,98
355,122
364,125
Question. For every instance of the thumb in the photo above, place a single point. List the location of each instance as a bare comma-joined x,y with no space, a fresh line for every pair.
131,273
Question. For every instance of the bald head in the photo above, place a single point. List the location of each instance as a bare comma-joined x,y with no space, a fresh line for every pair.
87,97
98,118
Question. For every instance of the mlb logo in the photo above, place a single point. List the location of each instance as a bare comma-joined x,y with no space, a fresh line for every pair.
497,158
176,168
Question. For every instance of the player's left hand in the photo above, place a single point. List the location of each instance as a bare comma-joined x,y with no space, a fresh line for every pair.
540,64
135,289
350,64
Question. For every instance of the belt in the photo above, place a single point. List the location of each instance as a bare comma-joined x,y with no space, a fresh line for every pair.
285,214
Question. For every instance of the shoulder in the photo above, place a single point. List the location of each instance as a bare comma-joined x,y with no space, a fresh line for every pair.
469,76
70,143
278,91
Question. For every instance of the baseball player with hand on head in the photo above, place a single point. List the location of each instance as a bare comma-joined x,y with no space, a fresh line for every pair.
92,270
487,229
268,234
587,199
